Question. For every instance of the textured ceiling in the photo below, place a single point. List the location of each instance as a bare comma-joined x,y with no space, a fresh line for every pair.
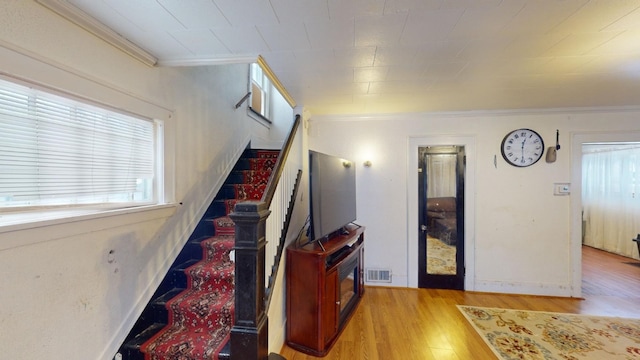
390,56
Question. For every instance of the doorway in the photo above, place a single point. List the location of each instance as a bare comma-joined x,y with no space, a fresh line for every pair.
441,212
577,206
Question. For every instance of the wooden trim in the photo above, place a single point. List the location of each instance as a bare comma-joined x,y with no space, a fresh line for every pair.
275,81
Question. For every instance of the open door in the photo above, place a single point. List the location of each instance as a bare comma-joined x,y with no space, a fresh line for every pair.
441,213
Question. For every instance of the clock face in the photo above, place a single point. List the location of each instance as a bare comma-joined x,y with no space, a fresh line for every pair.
522,147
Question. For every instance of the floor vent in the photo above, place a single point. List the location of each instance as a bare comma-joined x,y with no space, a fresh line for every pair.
379,275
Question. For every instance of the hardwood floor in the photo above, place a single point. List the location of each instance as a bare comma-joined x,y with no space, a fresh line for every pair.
406,324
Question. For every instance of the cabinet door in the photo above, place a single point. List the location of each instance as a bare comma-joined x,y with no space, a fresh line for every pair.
330,307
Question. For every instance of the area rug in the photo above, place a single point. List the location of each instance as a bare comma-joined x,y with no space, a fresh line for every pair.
441,258
532,335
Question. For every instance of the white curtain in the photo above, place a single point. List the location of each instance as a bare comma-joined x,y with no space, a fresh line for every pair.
441,175
610,198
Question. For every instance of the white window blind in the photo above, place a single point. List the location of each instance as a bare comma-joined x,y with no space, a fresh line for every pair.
57,151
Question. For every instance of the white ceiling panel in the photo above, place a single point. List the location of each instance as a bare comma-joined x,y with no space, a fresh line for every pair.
440,51
626,42
241,39
300,11
147,15
282,37
597,15
379,30
396,55
355,56
404,72
484,22
312,60
404,55
539,17
443,70
201,42
195,14
429,26
580,43
628,21
397,6
366,74
340,9
246,12
329,34
471,4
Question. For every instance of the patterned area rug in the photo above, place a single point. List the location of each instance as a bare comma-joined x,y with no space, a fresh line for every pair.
529,335
441,258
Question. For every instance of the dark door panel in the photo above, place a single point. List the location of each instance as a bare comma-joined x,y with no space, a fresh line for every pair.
441,192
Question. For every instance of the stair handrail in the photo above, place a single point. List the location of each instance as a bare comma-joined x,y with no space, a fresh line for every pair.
267,196
249,334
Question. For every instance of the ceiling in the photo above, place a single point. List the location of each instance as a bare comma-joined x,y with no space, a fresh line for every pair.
391,56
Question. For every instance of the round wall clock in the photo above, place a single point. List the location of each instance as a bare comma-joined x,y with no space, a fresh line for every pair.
522,147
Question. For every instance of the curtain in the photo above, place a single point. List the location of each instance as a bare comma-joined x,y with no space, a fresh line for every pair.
611,203
441,175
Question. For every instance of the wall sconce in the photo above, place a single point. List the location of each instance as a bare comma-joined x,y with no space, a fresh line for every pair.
346,164
367,163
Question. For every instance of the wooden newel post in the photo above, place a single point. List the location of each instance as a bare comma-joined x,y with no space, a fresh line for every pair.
249,335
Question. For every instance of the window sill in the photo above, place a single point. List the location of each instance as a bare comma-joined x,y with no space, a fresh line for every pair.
83,220
259,117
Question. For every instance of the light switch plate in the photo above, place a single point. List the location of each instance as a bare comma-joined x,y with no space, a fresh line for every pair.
560,189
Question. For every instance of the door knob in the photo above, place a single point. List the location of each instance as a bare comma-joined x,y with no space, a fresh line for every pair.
423,227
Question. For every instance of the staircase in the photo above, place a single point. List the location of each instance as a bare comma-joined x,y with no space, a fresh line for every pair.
191,313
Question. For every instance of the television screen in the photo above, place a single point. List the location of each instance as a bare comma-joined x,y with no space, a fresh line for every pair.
333,193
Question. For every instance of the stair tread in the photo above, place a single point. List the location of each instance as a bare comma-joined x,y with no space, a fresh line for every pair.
162,299
186,264
143,336
199,239
225,352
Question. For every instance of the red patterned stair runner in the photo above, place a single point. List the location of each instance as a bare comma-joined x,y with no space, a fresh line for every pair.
201,316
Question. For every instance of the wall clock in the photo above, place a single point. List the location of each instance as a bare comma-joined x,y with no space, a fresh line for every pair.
522,147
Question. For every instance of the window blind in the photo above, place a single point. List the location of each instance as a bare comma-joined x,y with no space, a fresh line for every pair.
58,151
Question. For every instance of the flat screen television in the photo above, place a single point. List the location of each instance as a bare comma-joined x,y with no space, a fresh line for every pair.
332,182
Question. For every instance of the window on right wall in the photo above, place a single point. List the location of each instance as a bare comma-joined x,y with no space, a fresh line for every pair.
261,93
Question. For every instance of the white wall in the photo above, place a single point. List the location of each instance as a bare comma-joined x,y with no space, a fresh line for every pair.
519,235
71,290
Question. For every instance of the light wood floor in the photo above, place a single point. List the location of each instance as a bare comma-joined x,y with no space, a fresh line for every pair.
407,324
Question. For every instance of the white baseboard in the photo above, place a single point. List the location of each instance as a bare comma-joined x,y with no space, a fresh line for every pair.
522,288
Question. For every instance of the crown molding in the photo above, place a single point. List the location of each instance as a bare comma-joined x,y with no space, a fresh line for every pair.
243,59
90,24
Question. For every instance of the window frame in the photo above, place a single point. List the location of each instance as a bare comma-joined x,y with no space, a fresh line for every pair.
263,84
16,217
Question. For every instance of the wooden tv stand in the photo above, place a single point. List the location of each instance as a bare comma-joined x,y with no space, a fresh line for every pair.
323,289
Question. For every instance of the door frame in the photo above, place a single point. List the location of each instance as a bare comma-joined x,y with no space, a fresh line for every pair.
575,251
413,221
